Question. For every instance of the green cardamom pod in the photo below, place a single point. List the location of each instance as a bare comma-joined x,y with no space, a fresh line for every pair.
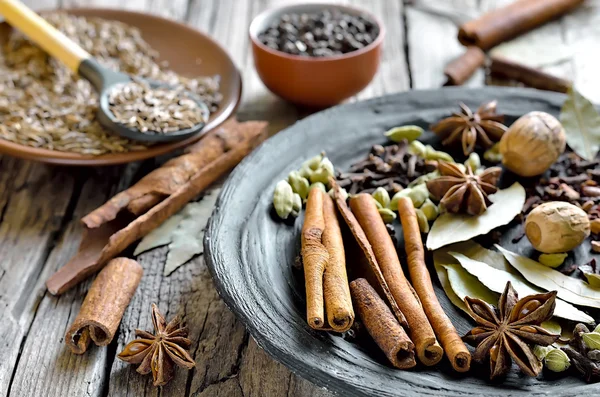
443,156
430,210
328,165
473,161
416,148
592,340
305,172
323,172
422,219
343,193
297,205
552,260
313,162
541,351
402,193
299,184
557,360
283,199
432,154
418,195
381,196
493,154
425,178
387,215
318,185
408,132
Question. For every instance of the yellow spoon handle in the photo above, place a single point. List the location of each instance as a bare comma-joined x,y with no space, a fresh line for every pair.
43,34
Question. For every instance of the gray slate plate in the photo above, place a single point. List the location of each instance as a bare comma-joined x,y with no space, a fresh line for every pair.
251,254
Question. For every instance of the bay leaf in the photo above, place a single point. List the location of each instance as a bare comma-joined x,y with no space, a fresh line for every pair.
160,236
442,274
451,228
187,237
465,284
568,288
581,122
496,280
591,276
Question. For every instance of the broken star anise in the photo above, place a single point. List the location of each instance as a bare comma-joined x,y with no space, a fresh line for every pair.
464,192
484,127
509,332
160,352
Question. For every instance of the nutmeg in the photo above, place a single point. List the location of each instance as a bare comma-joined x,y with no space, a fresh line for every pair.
556,226
532,144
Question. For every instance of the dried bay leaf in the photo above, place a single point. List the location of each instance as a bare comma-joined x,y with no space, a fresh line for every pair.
465,284
581,121
452,228
187,238
496,281
160,236
568,288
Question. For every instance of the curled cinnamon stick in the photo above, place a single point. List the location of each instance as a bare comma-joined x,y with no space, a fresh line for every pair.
365,246
531,77
462,68
428,349
314,258
382,325
455,349
338,303
104,305
111,228
508,22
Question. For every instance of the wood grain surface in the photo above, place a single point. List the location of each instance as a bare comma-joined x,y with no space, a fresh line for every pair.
40,206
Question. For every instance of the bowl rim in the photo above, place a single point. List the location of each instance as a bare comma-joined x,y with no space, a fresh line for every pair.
266,14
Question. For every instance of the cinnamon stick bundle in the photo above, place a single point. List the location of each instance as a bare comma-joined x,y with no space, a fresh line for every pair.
382,325
111,228
420,331
338,303
462,68
508,22
531,77
104,305
455,349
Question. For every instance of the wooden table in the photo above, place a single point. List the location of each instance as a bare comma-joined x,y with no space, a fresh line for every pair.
40,207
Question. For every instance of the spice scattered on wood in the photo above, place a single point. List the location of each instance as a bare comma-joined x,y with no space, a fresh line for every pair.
508,332
483,127
428,349
382,325
161,352
154,110
111,228
535,78
104,305
338,303
508,22
460,69
314,258
455,349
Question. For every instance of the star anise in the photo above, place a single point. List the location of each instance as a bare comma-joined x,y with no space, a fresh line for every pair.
464,192
484,127
159,353
509,332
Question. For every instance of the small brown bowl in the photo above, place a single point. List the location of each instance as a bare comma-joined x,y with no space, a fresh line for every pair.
309,81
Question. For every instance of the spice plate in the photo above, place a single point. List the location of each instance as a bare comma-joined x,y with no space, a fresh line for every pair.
251,253
189,53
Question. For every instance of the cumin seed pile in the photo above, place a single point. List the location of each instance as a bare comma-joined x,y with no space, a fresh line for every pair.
42,104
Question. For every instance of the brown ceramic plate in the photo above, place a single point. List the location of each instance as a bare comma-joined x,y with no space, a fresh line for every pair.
183,47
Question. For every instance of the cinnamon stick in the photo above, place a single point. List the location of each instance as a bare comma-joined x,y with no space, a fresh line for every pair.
382,325
314,258
508,22
462,68
365,246
531,77
455,349
104,305
428,349
338,303
111,228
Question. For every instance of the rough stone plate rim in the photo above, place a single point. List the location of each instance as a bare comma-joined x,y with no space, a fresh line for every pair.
227,251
